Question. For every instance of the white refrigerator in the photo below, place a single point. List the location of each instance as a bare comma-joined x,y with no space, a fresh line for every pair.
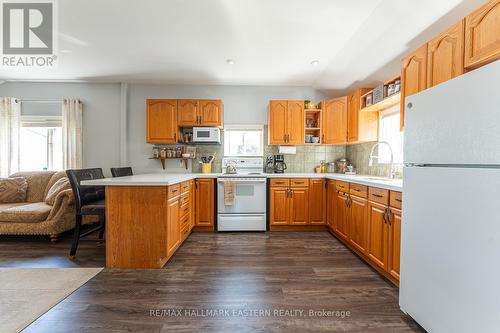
450,242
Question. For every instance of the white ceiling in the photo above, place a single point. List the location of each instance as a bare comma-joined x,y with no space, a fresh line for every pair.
272,42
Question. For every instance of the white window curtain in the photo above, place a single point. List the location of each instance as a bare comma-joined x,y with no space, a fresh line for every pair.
72,133
10,123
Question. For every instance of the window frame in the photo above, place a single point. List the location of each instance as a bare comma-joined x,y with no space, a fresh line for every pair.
249,128
397,153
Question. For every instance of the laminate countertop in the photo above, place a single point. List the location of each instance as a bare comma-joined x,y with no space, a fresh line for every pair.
165,179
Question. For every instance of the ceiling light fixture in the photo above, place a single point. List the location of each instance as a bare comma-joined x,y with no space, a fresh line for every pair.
315,62
230,61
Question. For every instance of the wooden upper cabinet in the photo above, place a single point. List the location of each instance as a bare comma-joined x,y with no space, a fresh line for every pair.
361,126
161,121
413,76
187,113
204,202
277,118
445,55
286,122
317,195
335,121
394,243
296,120
482,35
299,205
210,112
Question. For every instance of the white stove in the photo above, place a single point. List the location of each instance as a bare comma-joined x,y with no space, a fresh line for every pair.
248,213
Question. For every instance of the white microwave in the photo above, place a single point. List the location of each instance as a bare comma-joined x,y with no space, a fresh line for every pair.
206,134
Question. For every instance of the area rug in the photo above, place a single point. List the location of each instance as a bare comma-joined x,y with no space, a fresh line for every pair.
27,293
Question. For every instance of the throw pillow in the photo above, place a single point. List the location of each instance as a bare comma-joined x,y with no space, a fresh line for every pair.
60,185
13,189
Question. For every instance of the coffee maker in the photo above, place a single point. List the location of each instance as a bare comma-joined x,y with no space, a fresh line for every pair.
279,163
270,164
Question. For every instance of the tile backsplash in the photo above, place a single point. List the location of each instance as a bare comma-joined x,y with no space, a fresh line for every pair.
308,157
359,155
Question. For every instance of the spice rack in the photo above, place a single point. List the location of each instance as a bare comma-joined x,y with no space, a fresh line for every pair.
163,154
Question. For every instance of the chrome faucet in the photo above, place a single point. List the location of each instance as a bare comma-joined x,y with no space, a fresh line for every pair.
370,162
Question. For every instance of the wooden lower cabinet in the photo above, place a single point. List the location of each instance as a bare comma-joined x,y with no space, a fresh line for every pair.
173,226
371,229
378,234
358,223
317,201
299,205
341,223
279,205
205,203
331,192
394,242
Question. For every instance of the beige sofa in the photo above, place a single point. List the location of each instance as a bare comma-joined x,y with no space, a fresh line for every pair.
35,217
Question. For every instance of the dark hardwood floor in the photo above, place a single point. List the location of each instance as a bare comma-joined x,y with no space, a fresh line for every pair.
278,274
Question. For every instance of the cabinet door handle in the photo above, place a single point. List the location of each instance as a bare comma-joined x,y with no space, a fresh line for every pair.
322,138
398,200
377,195
175,137
284,137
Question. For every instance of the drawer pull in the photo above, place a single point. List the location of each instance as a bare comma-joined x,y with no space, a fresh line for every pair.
173,191
355,189
377,195
299,182
398,200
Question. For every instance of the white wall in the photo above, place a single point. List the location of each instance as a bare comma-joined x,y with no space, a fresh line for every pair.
101,105
101,119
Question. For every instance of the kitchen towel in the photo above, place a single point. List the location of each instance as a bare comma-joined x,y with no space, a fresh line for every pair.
229,189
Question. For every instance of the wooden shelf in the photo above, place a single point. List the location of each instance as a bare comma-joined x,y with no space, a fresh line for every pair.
312,110
312,128
163,159
386,103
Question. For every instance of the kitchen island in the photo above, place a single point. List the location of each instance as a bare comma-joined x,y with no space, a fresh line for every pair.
149,216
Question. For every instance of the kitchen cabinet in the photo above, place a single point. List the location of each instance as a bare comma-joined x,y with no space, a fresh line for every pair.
286,122
394,221
335,121
161,121
299,205
200,112
445,55
173,225
187,113
317,197
211,112
482,35
280,205
289,201
413,76
361,126
331,196
378,234
341,226
358,231
205,203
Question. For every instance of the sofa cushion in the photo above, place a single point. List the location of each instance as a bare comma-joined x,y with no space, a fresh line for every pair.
25,213
37,183
13,189
55,177
60,185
